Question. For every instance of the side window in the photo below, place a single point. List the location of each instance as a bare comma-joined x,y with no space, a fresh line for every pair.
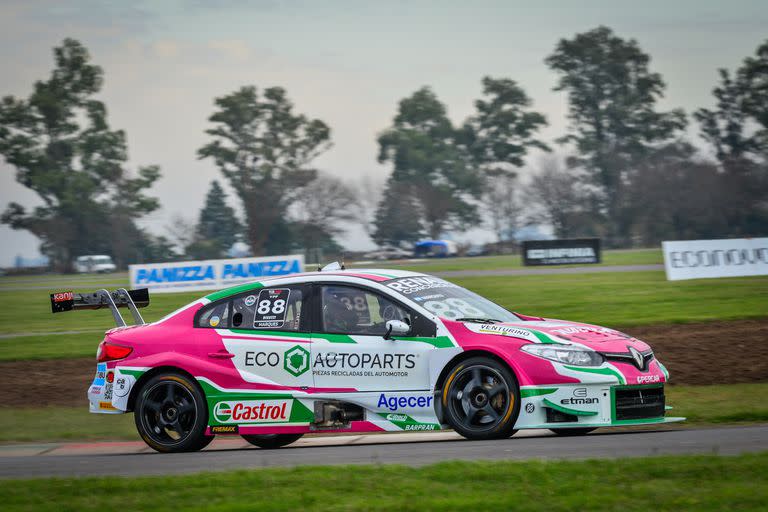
269,308
349,310
217,315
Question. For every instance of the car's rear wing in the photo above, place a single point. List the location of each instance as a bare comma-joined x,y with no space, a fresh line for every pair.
120,298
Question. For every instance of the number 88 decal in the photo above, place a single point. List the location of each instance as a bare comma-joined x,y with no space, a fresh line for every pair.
266,306
453,308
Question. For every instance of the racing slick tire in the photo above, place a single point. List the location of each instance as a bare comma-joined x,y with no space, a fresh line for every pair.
171,414
570,432
271,441
481,399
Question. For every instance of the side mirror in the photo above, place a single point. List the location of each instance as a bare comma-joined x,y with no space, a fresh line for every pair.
396,328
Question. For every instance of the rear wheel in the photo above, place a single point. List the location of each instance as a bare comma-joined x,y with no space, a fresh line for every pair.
171,414
271,441
480,399
566,432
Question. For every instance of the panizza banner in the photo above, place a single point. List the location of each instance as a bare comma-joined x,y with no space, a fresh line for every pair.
211,274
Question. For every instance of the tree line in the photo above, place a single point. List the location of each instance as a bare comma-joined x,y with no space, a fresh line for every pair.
623,171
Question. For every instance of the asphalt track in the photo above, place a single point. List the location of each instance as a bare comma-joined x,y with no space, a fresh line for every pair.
131,459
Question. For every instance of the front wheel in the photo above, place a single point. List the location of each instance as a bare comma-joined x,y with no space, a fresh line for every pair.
480,399
271,441
568,432
171,414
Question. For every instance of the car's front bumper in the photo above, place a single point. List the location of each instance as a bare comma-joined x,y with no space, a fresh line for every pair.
592,405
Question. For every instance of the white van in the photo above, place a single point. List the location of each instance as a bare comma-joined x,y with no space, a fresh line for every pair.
94,263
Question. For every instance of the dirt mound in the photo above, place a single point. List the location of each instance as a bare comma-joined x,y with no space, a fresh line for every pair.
711,352
703,353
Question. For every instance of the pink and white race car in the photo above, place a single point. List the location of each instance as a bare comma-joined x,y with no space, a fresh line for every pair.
361,351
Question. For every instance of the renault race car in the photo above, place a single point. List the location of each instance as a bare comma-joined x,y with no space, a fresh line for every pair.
361,351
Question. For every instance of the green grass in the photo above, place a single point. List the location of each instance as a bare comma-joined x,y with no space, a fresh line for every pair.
64,424
700,483
615,299
626,298
610,258
702,405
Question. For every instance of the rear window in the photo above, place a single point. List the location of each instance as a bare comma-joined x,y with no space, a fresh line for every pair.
216,315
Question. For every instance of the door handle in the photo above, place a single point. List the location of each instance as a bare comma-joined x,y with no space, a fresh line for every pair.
221,355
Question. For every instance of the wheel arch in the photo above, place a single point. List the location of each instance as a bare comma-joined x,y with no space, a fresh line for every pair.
463,356
146,376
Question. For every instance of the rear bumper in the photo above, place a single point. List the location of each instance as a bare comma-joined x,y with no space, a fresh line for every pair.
592,405
110,389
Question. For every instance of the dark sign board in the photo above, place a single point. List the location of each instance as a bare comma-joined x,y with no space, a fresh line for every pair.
573,251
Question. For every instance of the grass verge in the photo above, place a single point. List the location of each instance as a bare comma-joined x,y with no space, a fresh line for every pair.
615,300
699,483
702,405
610,258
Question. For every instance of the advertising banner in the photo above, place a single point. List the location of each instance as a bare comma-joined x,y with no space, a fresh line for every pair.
573,251
187,276
696,259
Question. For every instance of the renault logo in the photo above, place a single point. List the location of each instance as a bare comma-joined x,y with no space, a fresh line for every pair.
637,356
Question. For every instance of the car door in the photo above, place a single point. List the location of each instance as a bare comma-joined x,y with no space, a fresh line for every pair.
349,350
265,335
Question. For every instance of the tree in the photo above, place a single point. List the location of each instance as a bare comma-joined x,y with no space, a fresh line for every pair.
422,146
557,199
502,205
60,143
398,217
754,76
614,124
217,228
725,127
265,151
500,134
322,209
738,127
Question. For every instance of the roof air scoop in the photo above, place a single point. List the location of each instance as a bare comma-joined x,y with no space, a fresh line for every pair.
332,266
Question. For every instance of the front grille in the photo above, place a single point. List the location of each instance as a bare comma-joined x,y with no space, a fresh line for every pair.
628,359
638,403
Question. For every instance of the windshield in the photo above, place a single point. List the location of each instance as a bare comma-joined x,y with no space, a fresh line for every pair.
448,300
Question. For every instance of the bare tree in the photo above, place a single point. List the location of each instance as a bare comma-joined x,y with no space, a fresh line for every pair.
181,232
558,199
502,205
368,195
323,208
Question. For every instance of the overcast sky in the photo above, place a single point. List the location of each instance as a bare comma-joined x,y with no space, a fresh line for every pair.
347,63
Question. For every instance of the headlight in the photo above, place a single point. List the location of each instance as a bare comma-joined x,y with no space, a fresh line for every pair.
565,354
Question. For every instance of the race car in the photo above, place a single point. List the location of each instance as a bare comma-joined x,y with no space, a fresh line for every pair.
361,351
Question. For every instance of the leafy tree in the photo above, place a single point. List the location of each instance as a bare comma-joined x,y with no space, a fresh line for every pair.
60,143
754,76
265,151
397,219
217,228
500,134
614,123
726,126
738,127
429,167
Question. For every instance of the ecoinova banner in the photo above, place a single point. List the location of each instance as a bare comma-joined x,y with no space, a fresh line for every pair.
695,259
573,251
211,274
